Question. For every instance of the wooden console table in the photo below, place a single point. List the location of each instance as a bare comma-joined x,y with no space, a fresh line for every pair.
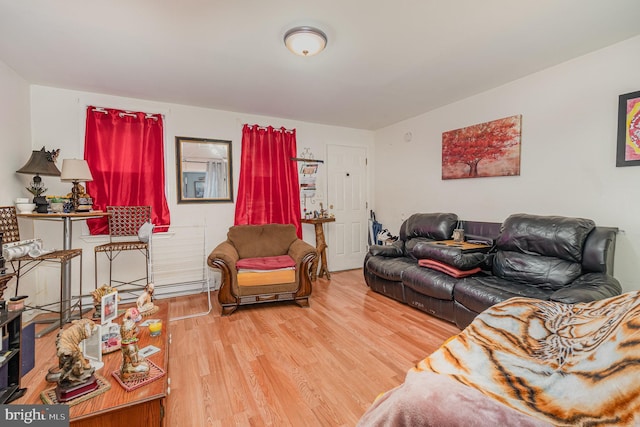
117,407
321,247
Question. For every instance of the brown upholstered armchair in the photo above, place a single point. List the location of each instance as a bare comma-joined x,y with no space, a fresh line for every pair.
263,263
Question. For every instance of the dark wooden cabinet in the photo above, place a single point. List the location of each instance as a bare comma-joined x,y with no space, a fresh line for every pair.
10,367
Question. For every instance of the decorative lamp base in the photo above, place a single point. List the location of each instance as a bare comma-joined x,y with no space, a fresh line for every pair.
42,205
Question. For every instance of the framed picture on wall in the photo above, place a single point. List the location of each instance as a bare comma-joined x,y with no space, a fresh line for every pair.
628,153
482,150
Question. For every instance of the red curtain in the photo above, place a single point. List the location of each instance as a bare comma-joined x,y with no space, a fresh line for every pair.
125,153
268,192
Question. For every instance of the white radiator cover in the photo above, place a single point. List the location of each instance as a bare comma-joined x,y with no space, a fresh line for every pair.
178,263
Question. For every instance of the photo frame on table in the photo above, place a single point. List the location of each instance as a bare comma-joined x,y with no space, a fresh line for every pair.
109,307
628,147
110,339
92,349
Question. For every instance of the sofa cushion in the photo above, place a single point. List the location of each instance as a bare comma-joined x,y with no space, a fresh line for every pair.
552,236
266,277
478,293
588,287
411,245
253,241
429,282
266,263
388,268
434,226
535,270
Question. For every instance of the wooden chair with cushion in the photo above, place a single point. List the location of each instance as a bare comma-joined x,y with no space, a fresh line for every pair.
23,264
125,223
263,263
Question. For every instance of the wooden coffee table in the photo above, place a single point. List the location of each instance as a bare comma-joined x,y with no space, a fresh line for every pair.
143,406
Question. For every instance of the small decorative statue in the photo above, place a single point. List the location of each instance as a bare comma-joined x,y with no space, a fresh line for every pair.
132,315
323,212
73,368
134,366
97,298
145,301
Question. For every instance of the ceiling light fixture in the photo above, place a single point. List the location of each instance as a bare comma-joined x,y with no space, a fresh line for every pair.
305,41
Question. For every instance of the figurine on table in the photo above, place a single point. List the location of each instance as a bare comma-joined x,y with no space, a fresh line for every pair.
74,373
145,304
134,366
73,367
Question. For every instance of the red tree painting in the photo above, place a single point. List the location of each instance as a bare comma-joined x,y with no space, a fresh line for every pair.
485,149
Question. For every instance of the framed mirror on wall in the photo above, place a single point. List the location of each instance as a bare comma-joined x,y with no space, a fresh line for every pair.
204,170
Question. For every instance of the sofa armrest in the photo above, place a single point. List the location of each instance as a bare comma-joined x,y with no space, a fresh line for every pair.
299,249
224,258
226,252
392,251
588,287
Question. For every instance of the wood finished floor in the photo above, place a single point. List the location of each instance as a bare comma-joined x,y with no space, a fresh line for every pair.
282,365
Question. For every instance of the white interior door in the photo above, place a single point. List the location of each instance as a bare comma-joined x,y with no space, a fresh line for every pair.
347,192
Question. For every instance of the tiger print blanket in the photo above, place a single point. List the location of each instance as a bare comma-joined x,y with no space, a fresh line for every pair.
553,363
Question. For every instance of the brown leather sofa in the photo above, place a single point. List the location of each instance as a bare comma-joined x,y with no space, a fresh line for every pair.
261,244
550,258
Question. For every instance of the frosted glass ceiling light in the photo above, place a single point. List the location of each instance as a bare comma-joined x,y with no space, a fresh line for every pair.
305,41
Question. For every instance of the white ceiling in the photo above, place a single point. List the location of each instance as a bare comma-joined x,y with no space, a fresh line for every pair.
385,60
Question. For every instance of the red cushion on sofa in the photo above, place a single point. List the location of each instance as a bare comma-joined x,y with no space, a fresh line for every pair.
446,268
266,263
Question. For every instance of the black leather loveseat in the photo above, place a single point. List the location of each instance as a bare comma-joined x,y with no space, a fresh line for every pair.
544,257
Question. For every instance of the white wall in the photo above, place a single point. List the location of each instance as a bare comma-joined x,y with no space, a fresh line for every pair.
58,121
15,144
569,124
15,136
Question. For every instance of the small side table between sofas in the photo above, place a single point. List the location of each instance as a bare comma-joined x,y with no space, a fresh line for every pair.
321,247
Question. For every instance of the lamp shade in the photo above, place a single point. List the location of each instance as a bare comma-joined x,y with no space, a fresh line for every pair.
40,163
75,170
305,41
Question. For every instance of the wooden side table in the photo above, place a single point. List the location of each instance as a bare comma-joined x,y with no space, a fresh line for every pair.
321,247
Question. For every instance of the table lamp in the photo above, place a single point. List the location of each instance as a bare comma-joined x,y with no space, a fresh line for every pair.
41,162
75,170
